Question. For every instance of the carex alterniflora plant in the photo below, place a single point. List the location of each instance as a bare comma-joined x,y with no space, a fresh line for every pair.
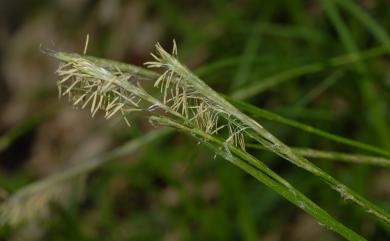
187,104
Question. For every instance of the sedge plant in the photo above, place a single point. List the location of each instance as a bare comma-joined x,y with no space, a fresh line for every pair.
188,105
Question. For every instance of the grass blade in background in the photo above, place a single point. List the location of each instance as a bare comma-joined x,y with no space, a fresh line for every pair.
33,200
268,115
271,81
370,94
377,30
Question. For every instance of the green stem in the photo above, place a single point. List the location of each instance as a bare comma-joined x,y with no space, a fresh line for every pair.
346,193
261,172
262,113
336,156
345,157
86,166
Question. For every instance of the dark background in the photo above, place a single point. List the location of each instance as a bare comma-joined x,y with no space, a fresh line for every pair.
174,189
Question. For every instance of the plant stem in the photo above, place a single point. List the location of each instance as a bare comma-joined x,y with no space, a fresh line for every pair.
259,112
261,172
346,157
71,173
336,156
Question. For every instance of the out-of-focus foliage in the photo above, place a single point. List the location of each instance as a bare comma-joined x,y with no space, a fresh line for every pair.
174,189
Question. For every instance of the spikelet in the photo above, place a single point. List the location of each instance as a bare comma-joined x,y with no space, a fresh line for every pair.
86,84
183,96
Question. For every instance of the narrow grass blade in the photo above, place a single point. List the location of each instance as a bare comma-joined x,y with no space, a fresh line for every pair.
376,117
13,209
345,157
320,88
335,156
249,53
278,78
376,29
262,113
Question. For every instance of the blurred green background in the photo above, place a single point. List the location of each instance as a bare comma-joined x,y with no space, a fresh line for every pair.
173,189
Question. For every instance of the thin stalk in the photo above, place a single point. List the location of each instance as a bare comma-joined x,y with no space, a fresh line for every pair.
262,113
345,157
320,88
12,209
335,156
346,193
261,172
91,164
